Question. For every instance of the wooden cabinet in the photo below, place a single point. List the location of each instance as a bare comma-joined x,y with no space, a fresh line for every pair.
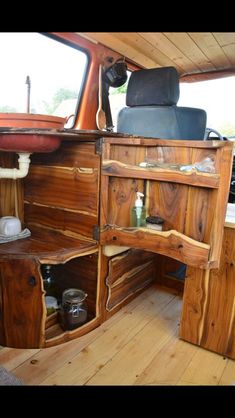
23,318
79,198
192,202
60,206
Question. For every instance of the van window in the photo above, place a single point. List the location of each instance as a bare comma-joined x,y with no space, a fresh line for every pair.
54,70
216,97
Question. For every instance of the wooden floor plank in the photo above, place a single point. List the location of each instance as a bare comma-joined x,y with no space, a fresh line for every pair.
169,363
205,368
134,357
95,355
228,375
139,345
10,358
47,361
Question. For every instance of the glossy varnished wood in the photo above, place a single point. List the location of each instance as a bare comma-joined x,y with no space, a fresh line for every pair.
183,199
208,307
129,272
22,308
62,189
47,247
172,242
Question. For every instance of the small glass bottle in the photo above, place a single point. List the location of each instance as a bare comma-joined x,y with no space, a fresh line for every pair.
48,279
51,291
73,312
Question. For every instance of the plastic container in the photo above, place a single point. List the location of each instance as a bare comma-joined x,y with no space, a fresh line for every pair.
51,304
10,225
73,312
154,222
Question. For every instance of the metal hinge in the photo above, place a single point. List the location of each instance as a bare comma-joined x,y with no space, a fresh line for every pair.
98,146
96,232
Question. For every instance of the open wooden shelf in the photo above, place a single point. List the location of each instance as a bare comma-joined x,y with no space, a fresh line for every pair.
55,334
25,324
192,203
47,247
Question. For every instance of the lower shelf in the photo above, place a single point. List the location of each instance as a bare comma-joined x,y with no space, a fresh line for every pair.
55,335
74,263
170,243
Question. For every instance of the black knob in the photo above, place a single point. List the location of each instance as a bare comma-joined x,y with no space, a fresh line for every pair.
32,281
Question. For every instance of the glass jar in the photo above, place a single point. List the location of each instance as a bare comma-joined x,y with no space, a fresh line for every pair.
154,222
73,312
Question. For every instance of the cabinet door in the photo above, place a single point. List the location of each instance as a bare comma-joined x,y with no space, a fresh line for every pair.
22,314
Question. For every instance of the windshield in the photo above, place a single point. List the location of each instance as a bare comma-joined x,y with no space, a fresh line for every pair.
216,97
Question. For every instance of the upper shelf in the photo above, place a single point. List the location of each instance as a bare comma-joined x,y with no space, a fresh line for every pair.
193,177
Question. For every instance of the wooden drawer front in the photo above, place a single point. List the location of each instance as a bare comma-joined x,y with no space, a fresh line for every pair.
128,273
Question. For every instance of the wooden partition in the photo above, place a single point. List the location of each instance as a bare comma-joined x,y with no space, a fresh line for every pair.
208,315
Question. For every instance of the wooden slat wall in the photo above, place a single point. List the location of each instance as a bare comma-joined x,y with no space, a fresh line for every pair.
188,52
61,189
128,273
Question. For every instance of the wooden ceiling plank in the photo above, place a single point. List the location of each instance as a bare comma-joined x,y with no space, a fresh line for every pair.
229,50
211,48
162,43
224,38
190,49
227,42
117,45
143,46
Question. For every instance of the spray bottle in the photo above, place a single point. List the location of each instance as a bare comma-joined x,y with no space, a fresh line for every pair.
138,212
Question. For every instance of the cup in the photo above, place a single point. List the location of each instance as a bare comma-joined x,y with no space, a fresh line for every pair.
10,225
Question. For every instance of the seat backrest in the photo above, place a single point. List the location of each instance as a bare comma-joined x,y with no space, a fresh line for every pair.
152,110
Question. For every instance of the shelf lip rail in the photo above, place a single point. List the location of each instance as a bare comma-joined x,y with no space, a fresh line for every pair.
192,177
171,243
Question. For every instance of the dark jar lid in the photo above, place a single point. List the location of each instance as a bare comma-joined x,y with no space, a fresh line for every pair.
154,220
73,296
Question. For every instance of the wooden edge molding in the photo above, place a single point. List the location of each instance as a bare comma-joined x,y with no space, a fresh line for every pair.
118,169
171,243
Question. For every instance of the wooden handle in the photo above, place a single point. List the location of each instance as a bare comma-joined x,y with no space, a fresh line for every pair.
100,115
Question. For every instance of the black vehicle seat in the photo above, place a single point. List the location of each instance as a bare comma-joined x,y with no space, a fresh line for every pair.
152,110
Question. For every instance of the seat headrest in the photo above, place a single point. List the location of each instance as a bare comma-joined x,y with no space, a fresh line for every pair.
155,86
